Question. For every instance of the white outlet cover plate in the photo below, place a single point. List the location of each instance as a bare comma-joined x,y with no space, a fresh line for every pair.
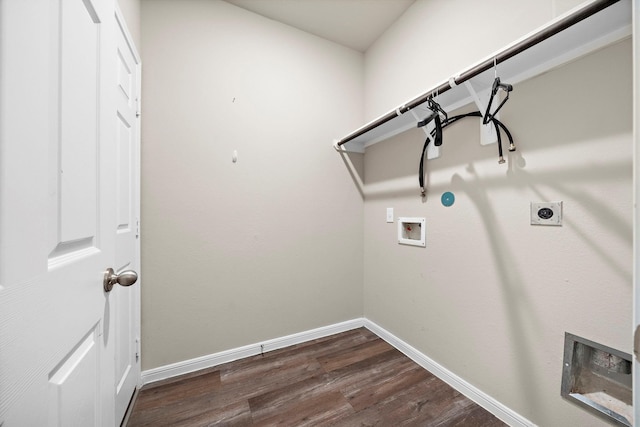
546,213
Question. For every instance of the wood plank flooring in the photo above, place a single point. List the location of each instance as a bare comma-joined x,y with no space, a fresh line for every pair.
349,379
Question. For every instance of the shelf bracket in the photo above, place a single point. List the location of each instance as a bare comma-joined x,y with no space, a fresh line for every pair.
433,152
487,132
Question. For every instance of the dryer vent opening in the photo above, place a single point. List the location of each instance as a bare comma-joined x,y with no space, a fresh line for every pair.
598,378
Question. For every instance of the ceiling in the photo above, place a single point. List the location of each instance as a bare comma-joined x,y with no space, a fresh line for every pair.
352,23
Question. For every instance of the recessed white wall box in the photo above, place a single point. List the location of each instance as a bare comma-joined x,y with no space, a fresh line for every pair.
411,231
546,213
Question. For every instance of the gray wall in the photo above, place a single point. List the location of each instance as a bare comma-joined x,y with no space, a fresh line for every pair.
491,296
236,253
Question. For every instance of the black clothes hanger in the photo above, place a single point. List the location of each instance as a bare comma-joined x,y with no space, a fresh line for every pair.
491,117
436,112
437,115
497,85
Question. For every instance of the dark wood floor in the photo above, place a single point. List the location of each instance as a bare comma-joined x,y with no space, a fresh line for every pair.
349,379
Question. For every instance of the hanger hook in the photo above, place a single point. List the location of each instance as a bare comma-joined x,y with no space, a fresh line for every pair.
495,67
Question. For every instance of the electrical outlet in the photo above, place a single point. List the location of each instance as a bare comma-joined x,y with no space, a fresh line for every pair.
546,213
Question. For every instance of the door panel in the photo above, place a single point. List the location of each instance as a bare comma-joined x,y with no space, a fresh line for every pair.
125,139
79,75
74,397
124,203
75,142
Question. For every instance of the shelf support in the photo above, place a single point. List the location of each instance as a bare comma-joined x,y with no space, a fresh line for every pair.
349,147
433,152
487,132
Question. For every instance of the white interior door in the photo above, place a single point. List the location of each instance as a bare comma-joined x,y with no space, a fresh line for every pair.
127,299
58,199
636,219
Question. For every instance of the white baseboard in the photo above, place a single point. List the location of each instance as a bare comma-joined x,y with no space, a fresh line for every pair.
487,402
209,361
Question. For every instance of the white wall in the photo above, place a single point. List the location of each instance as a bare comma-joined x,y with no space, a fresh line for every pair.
435,39
236,253
491,296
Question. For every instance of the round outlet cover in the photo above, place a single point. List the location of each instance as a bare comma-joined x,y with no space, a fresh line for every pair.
447,198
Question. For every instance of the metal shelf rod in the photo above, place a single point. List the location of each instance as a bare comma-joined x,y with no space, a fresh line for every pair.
500,57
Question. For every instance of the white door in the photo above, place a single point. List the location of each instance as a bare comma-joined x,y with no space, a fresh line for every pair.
58,212
636,222
126,300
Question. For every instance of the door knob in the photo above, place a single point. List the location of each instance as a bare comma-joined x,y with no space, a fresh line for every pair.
126,278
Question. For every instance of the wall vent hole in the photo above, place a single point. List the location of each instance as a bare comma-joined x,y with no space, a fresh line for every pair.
598,378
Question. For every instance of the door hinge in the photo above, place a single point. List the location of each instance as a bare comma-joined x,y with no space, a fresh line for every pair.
137,107
137,228
137,349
